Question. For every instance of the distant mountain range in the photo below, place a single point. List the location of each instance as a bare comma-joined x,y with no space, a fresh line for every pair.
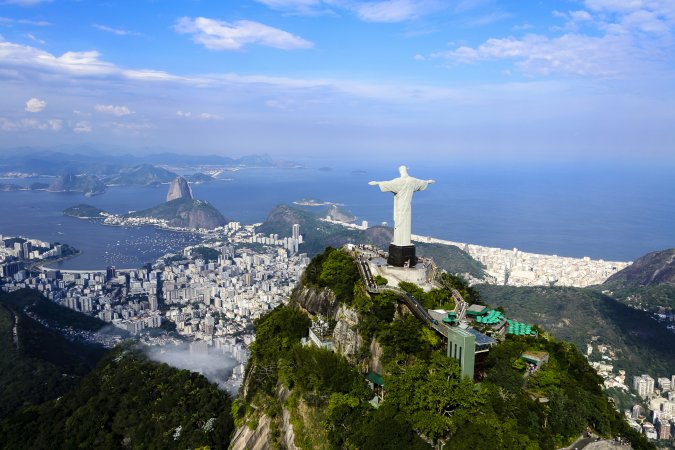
90,160
143,174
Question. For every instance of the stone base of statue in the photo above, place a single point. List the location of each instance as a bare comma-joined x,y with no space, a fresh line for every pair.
402,256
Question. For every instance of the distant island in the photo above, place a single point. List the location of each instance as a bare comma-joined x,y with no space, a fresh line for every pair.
84,211
180,212
11,187
314,202
199,178
89,185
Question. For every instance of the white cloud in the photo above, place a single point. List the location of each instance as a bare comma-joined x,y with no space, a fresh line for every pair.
202,116
35,105
574,54
581,16
624,37
114,110
294,6
218,35
82,127
117,31
395,10
209,116
81,64
8,22
30,124
33,38
24,2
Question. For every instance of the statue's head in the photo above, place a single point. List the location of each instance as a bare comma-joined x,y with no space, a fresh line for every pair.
403,170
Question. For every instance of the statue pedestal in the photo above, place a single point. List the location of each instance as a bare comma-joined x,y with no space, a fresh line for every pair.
399,255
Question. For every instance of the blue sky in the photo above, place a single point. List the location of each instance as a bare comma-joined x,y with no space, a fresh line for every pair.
458,80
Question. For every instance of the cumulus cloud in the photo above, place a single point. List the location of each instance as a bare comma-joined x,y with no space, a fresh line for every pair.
180,113
218,35
625,36
114,110
35,105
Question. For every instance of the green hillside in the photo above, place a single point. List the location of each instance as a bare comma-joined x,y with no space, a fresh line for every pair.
84,211
318,235
185,212
128,401
575,314
37,364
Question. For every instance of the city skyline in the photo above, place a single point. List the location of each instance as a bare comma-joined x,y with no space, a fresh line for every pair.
470,79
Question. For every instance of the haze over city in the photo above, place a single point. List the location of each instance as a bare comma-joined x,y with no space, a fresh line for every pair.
462,80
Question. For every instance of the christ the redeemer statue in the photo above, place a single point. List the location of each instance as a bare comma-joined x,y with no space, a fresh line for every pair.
401,250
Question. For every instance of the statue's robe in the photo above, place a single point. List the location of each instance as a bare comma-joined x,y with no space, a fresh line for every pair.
403,189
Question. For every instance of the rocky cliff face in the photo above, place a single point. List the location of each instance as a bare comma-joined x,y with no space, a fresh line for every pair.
316,301
268,433
179,189
346,339
185,213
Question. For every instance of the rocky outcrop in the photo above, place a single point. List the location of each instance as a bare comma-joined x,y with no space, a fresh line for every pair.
375,363
649,270
179,189
259,438
316,300
185,213
346,339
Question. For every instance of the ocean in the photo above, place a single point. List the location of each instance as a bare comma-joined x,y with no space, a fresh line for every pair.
615,213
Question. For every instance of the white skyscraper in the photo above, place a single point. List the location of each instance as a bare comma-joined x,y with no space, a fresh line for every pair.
664,383
644,385
296,231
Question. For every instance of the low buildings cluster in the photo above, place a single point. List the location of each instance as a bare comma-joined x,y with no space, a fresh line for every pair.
518,268
602,358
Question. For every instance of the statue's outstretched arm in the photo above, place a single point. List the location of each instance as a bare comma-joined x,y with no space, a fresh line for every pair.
431,181
374,183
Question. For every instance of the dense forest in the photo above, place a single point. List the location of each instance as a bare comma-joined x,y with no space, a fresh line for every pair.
36,363
128,401
56,393
576,314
